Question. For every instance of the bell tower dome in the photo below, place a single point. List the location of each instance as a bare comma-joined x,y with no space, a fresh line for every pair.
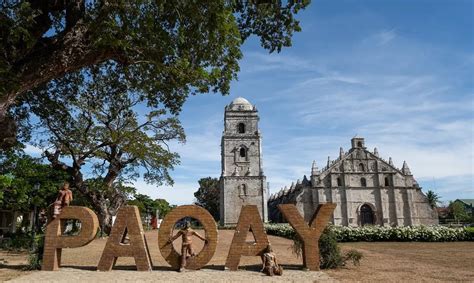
242,181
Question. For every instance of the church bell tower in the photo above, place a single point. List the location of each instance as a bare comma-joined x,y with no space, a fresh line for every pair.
242,181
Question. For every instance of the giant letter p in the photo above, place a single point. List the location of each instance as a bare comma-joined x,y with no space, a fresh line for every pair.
54,242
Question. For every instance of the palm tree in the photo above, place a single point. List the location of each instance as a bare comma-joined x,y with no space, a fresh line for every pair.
433,198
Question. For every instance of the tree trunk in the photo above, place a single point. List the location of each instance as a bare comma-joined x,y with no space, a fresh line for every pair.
105,217
8,131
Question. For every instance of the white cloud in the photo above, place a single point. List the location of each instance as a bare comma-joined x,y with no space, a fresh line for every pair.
385,36
33,150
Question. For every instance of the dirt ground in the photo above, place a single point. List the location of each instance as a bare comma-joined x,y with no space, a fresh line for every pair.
381,262
411,261
12,265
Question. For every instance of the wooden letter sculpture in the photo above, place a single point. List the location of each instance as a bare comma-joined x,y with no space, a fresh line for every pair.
127,223
165,238
249,220
309,234
54,242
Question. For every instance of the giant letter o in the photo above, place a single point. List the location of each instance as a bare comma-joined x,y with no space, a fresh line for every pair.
166,230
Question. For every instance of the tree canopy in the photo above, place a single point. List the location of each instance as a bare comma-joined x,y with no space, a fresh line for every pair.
433,198
19,173
207,196
168,49
458,212
95,127
147,205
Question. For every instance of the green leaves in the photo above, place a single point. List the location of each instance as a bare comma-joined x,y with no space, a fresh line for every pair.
433,198
172,48
207,195
147,205
97,117
19,174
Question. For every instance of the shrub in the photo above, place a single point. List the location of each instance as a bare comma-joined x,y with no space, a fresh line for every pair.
329,252
35,259
401,234
379,233
469,233
16,242
353,255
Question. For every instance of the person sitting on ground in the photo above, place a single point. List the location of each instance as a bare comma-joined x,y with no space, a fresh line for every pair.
269,263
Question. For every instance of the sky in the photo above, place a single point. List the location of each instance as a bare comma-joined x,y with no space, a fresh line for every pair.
398,73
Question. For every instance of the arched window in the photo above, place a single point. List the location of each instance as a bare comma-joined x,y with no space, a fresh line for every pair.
243,152
244,189
363,182
339,182
387,182
359,144
361,167
241,128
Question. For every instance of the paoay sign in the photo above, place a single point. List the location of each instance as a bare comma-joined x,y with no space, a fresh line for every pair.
128,221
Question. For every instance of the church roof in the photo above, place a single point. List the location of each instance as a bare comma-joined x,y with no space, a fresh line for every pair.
338,161
241,103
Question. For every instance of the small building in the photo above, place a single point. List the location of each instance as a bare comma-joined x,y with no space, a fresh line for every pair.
10,218
367,189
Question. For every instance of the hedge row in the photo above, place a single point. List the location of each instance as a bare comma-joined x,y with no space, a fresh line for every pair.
378,233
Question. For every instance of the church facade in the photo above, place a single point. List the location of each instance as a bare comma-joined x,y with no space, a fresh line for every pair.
367,189
242,181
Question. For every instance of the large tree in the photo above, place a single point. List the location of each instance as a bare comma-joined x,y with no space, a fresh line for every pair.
171,47
207,195
95,126
458,211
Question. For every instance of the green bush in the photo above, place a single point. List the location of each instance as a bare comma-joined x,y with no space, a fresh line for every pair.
353,255
16,242
400,234
469,233
35,258
379,233
329,251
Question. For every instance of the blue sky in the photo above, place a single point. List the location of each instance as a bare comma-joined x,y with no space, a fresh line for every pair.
398,73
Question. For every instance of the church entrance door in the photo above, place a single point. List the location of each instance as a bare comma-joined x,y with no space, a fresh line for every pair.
366,215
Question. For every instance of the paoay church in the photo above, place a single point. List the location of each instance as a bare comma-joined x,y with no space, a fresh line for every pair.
367,189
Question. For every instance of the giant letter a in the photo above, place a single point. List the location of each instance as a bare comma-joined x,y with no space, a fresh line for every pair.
127,221
249,220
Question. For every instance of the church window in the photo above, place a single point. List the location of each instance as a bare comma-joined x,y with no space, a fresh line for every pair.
243,190
361,167
243,152
387,183
339,182
241,128
363,182
359,144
